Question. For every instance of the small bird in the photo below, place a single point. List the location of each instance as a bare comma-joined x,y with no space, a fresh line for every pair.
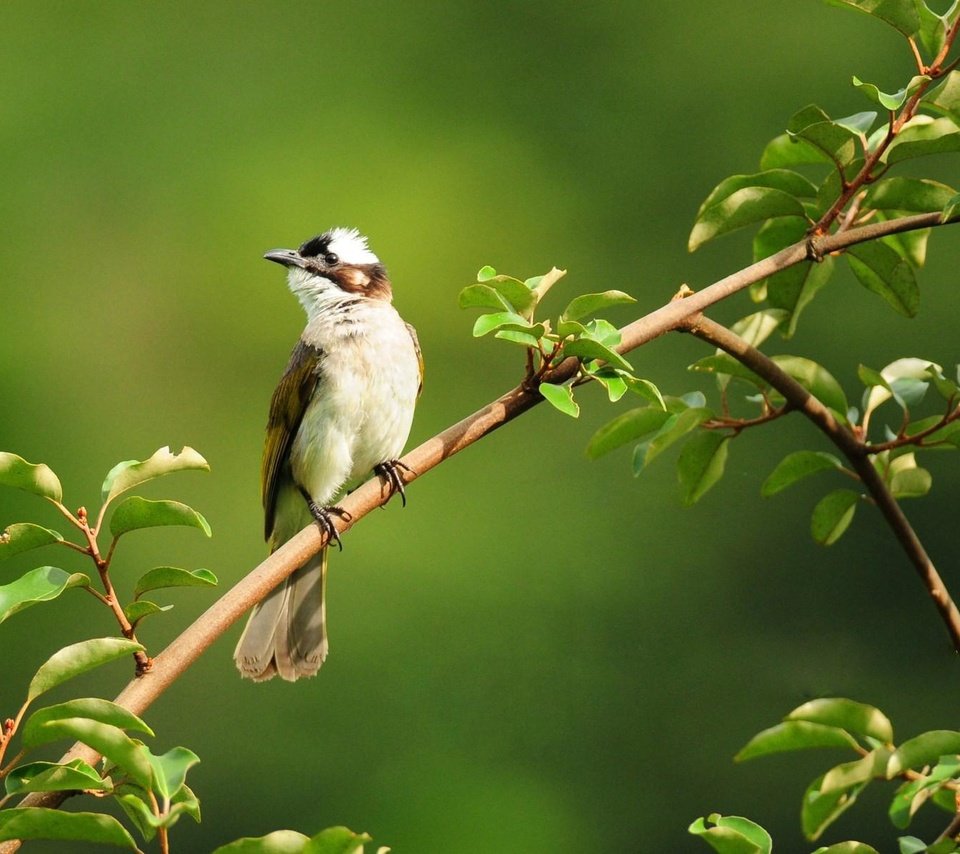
342,410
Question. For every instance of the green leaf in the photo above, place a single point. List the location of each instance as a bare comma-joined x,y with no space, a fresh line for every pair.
516,293
131,473
794,735
44,823
134,801
610,378
136,512
51,777
487,323
136,611
541,284
76,659
817,380
758,327
922,136
586,349
858,122
278,842
602,331
820,809
951,210
855,773
790,182
908,194
486,273
626,427
847,848
911,483
336,840
482,296
848,715
893,382
38,585
797,466
897,13
39,479
560,397
924,749
24,536
172,576
701,464
785,151
645,389
732,834
524,339
92,708
915,793
722,364
675,428
744,207
833,515
814,126
933,29
591,303
881,270
895,101
945,98
170,770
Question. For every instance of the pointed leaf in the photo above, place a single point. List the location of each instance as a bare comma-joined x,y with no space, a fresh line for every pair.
794,735
732,834
541,284
645,389
814,126
881,270
486,273
912,483
172,576
924,749
833,515
278,842
24,536
898,14
92,708
744,207
586,349
894,101
797,466
517,295
487,323
136,611
785,151
76,659
820,809
45,823
482,296
170,770
817,380
921,137
51,777
39,479
560,397
908,194
136,512
790,182
38,585
674,429
131,473
625,428
701,464
591,303
337,840
849,715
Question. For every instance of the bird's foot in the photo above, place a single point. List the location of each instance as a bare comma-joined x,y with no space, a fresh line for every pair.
323,516
389,470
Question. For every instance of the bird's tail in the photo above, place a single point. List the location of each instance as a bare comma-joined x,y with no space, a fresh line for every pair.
286,634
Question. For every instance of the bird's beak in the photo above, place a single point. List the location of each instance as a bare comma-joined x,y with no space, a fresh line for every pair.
287,257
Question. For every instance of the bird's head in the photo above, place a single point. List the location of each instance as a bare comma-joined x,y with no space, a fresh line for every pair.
333,267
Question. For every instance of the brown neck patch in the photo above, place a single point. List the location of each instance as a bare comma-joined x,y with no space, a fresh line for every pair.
368,280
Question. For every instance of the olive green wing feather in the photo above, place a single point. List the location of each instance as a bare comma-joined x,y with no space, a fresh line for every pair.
290,400
416,347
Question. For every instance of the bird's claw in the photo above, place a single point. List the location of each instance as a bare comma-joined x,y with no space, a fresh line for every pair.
323,516
389,470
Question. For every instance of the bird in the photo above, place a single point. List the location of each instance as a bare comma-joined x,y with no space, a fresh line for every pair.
342,411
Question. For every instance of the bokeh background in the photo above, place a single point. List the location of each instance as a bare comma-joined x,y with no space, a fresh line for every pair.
540,653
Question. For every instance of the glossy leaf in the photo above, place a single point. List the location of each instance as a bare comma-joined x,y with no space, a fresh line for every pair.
785,151
898,14
172,576
39,479
541,284
820,809
45,823
896,100
38,585
817,380
815,127
524,339
675,428
924,749
923,136
626,427
51,777
855,773
701,464
911,483
645,389
76,659
847,848
848,715
586,349
560,397
794,735
732,834
833,515
908,194
881,270
24,536
170,770
797,466
135,512
786,180
587,304
758,327
858,122
136,611
278,842
945,98
722,364
336,840
891,381
482,296
515,292
131,473
104,711
744,207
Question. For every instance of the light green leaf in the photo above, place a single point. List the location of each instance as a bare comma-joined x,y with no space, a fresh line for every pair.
482,296
911,483
541,284
859,771
908,194
924,749
516,293
135,512
892,377
524,339
486,273
744,207
817,380
39,479
820,809
951,210
814,126
675,428
897,13
51,777
136,611
626,427
732,834
797,466
45,823
486,323
916,792
786,180
278,842
337,840
590,303
895,101
858,122
170,770
103,711
847,848
945,98
586,349
38,585
794,735
602,331
76,659
645,389
848,715
758,327
131,473
560,397
724,365
922,136
610,378
933,29
785,151
24,536
172,576
833,515
701,464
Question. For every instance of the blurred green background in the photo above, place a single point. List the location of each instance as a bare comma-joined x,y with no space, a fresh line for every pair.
540,653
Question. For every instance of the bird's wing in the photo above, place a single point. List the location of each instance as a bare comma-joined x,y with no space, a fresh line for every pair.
416,347
290,400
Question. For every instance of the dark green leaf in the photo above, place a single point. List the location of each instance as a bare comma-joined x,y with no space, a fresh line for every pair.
76,659
278,842
38,585
39,479
92,708
560,397
131,473
674,429
908,194
793,289
895,101
945,98
135,512
626,427
909,245
833,515
848,715
51,777
336,840
591,303
820,809
24,536
797,466
951,210
924,749
172,576
897,13
732,834
701,464
44,823
785,151
744,207
933,29
794,735
923,136
586,349
817,380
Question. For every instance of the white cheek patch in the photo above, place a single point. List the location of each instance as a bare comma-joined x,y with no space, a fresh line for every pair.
358,278
350,246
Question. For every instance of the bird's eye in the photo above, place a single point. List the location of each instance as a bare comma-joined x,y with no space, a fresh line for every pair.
330,259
